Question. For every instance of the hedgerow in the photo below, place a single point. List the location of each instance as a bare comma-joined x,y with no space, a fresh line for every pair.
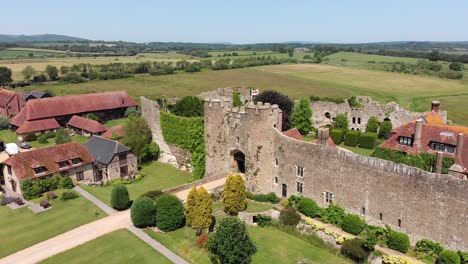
189,134
337,135
352,138
398,241
367,140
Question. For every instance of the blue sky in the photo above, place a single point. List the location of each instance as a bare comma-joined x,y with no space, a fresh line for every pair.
240,21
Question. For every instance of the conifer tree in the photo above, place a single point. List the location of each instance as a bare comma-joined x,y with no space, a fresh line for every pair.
234,195
198,209
301,117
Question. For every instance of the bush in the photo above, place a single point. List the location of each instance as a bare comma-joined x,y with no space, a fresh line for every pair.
30,137
132,111
354,250
294,199
236,99
51,195
263,220
143,212
448,257
120,200
372,125
44,203
42,139
66,182
62,136
301,116
454,75
352,138
456,66
428,247
264,198
189,106
4,123
289,216
368,140
385,129
333,214
341,122
153,195
463,256
72,77
337,135
353,224
68,195
398,241
308,207
169,213
234,195
202,240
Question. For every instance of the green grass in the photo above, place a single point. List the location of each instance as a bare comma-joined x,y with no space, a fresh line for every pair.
273,246
120,246
256,207
358,150
115,122
22,228
158,176
9,136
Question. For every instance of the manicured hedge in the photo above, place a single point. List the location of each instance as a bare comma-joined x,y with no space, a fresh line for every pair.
448,257
352,138
120,200
353,224
398,241
337,135
308,207
34,188
264,198
143,212
368,140
169,213
189,134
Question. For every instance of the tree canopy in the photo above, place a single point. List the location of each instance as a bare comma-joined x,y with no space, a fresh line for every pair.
372,125
198,208
5,75
189,106
28,73
283,101
301,117
341,121
138,138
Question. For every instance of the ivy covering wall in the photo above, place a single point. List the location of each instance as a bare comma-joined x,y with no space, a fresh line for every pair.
189,134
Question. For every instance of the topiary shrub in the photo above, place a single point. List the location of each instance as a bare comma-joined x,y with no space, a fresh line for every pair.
352,138
448,257
143,212
354,250
398,241
368,140
234,195
120,200
353,224
169,213
337,135
308,207
66,182
289,216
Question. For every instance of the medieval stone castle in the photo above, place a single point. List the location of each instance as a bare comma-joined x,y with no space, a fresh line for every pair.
249,140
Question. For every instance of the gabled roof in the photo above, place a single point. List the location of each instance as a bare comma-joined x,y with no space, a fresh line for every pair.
293,133
71,105
38,125
117,130
34,95
6,96
103,150
86,124
23,163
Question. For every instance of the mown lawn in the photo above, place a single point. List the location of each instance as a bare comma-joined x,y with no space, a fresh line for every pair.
120,246
358,150
273,246
115,122
158,176
22,228
9,136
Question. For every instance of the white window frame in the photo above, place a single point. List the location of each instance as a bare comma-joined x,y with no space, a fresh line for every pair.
328,197
298,183
300,171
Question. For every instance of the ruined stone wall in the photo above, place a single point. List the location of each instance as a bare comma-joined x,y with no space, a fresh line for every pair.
227,92
428,205
324,113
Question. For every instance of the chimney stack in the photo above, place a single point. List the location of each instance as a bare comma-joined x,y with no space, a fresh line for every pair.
435,106
323,135
439,159
459,149
418,134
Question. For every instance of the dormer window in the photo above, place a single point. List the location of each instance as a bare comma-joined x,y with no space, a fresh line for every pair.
406,141
40,170
63,164
76,161
437,146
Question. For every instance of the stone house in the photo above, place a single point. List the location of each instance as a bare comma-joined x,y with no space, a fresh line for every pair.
67,159
112,160
85,127
11,103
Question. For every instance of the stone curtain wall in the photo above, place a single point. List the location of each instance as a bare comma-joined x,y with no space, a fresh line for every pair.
150,111
429,205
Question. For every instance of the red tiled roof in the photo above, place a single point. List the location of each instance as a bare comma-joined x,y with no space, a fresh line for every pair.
433,118
293,133
86,124
117,130
5,97
438,133
23,163
72,104
38,125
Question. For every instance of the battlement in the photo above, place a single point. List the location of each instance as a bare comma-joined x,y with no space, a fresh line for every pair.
259,108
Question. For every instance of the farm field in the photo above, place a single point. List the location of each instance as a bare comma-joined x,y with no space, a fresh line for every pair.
158,176
22,228
120,246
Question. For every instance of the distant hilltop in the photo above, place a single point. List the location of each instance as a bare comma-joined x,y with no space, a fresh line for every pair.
39,38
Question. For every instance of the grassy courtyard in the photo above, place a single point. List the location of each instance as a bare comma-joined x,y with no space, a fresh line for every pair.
273,246
9,136
120,246
22,228
158,176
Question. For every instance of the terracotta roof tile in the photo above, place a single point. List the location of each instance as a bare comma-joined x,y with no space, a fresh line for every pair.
293,133
38,125
86,124
22,163
6,96
117,130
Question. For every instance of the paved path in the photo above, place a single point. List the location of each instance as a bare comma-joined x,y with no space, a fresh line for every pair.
95,200
156,245
93,230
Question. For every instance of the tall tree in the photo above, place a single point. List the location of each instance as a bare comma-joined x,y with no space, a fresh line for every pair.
231,244
234,194
341,121
138,138
283,101
5,75
385,129
198,209
301,117
52,72
28,73
434,55
62,136
372,125
189,106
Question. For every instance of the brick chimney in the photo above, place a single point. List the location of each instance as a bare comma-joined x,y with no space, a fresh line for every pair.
418,134
459,149
435,106
323,135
